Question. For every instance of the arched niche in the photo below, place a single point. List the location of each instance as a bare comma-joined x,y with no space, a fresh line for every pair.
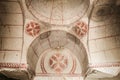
57,52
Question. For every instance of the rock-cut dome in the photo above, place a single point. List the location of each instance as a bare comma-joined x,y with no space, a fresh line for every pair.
60,12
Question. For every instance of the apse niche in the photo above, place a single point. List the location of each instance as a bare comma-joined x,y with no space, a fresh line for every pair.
57,52
60,12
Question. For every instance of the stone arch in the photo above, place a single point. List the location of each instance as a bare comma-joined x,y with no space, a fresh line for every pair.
56,40
104,36
11,32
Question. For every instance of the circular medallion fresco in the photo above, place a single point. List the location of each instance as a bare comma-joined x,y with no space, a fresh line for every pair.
81,28
32,28
58,62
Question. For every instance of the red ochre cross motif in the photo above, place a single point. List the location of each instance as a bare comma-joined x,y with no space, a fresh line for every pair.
81,29
33,28
58,62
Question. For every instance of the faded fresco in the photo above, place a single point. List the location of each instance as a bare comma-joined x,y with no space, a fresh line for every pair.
59,39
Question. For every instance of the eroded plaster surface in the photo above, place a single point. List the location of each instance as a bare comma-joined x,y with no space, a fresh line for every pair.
60,39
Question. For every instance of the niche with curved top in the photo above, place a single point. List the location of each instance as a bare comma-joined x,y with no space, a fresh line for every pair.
57,51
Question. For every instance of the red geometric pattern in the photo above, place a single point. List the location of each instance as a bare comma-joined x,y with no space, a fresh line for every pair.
81,29
100,65
13,65
58,62
33,28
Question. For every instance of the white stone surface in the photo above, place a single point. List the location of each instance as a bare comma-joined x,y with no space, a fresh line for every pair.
58,78
12,43
12,57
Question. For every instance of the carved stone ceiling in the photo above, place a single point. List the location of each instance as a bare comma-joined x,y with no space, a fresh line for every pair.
90,47
59,12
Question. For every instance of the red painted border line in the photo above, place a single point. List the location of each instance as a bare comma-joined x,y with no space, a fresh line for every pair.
101,65
13,65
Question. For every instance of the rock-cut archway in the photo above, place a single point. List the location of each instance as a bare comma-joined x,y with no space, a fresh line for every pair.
57,52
